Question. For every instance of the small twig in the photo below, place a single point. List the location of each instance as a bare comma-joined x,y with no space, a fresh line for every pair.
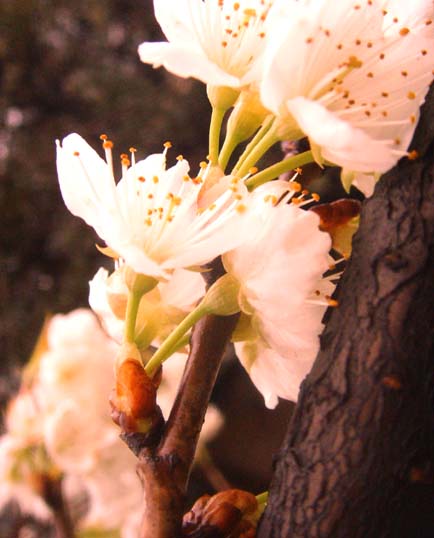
53,496
211,472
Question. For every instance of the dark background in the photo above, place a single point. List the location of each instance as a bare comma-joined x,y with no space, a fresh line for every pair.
69,67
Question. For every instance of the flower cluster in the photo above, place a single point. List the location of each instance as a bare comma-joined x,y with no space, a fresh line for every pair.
350,79
345,79
59,427
350,76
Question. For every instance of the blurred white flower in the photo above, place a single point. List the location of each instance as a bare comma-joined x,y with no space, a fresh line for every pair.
151,218
278,271
220,43
62,424
114,489
78,364
350,76
23,417
74,382
19,477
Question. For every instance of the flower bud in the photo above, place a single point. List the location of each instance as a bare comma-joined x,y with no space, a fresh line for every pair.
228,513
134,399
247,116
222,297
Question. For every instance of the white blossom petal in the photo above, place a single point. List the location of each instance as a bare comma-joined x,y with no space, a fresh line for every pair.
356,83
219,43
151,218
279,271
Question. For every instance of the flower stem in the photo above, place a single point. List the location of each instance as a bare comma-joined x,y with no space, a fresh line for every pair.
182,342
214,134
256,151
254,142
131,315
276,169
230,143
172,341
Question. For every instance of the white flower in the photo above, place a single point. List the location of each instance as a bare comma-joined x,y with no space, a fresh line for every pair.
279,352
274,375
151,217
23,420
17,475
74,435
72,389
114,489
278,271
75,365
220,43
351,76
160,310
63,425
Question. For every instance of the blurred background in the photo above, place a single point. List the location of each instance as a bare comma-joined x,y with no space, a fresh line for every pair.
73,66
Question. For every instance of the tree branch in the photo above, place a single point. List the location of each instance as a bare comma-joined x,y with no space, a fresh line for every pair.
164,472
165,454
360,446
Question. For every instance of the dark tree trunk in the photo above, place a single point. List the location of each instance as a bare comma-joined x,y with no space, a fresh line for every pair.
358,458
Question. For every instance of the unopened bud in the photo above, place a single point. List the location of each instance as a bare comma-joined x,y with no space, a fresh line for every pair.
247,116
222,297
243,500
134,399
228,513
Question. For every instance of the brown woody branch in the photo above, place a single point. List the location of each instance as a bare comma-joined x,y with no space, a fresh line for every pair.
165,454
164,471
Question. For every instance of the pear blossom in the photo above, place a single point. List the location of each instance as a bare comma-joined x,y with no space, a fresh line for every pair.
75,373
114,489
278,270
22,417
274,375
350,76
18,477
151,218
220,43
278,353
62,423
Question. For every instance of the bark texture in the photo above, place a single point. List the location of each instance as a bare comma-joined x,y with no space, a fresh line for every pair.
358,458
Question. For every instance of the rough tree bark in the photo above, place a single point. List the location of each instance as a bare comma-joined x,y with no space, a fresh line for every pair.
358,457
